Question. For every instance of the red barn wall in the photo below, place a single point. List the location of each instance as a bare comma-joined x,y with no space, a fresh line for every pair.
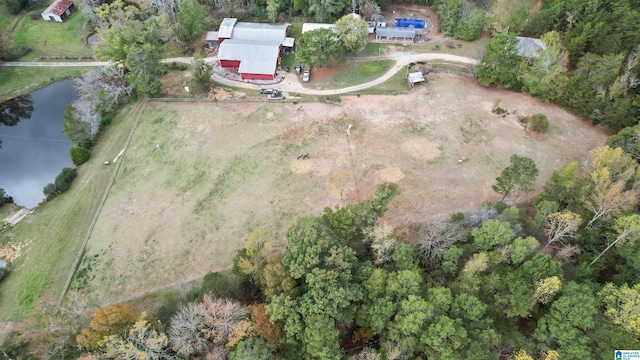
246,76
230,63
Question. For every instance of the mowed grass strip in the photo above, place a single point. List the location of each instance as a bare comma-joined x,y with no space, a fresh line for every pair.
50,38
352,73
50,237
15,81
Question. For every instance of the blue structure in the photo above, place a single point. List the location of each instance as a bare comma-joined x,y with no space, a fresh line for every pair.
411,23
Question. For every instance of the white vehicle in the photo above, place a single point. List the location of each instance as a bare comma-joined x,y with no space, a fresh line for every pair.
305,76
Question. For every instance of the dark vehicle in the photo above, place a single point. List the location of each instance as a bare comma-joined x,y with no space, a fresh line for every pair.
276,96
298,69
268,91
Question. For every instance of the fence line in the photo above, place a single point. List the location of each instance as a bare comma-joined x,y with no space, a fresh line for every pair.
99,209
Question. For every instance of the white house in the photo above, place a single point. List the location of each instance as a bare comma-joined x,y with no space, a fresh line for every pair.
58,10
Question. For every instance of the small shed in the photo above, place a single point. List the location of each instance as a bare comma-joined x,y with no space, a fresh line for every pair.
58,10
381,23
530,48
395,34
212,39
415,77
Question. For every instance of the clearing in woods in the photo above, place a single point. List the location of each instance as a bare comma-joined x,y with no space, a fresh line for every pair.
198,178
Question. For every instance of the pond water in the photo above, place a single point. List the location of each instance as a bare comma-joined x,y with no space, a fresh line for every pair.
34,149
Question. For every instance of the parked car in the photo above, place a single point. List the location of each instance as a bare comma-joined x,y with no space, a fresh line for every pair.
276,96
268,91
298,69
306,75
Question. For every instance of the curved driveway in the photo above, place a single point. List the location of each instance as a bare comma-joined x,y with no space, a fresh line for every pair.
290,82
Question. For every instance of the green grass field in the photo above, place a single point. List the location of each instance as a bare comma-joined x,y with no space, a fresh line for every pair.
16,81
353,73
62,39
51,237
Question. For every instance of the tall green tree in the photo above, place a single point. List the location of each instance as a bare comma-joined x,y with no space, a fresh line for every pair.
520,175
621,306
316,48
501,64
352,32
191,20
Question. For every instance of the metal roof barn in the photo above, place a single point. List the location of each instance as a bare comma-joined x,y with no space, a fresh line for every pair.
254,57
275,33
226,27
394,33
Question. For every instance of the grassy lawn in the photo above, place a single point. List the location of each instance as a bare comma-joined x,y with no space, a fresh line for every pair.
471,49
290,60
62,39
395,85
352,73
50,238
16,81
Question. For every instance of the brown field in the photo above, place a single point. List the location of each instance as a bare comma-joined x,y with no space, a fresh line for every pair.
199,177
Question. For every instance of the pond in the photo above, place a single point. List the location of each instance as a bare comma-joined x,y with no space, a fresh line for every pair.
33,148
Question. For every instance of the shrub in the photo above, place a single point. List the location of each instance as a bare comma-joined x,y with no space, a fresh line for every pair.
79,155
64,179
539,123
49,190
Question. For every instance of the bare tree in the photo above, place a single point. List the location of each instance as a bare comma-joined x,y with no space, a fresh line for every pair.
435,236
222,318
627,229
370,10
184,333
561,226
169,7
476,217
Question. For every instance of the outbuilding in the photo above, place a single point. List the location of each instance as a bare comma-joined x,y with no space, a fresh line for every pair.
395,34
58,10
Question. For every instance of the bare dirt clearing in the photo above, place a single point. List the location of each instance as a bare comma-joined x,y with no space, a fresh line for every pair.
199,177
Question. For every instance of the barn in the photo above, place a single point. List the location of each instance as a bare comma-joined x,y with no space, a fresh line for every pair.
58,10
253,48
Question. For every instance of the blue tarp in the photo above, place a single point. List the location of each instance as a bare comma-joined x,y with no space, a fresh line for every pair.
411,23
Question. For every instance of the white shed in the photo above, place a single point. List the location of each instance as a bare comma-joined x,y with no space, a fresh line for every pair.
58,10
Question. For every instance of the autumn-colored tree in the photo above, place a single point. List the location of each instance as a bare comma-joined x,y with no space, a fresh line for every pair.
110,320
251,260
622,304
277,279
560,226
264,326
141,341
185,336
225,322
545,289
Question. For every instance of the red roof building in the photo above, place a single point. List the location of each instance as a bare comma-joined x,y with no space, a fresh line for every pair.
58,10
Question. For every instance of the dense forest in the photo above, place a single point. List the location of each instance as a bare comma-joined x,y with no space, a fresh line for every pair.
553,278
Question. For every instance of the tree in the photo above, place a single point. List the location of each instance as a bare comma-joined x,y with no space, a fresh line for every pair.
277,279
191,20
621,306
251,260
370,10
265,328
79,155
435,236
521,248
64,179
323,10
561,226
501,63
520,175
316,48
251,348
569,317
545,289
382,243
107,321
492,233
470,27
141,341
352,32
627,229
184,333
224,321
321,338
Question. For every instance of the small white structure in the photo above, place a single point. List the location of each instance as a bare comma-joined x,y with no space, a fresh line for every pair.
314,26
381,23
58,10
416,77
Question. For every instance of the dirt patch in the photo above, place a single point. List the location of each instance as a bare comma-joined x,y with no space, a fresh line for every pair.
8,254
421,149
299,134
325,73
392,174
301,166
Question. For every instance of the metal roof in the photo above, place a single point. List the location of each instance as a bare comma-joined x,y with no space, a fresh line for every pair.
226,27
314,26
260,32
288,42
416,77
255,57
530,47
212,36
394,32
58,7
